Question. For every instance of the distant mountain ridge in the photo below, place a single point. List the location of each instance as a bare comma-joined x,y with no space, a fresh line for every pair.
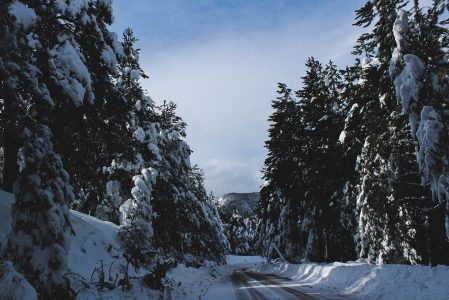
243,203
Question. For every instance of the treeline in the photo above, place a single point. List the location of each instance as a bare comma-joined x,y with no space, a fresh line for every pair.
357,162
78,130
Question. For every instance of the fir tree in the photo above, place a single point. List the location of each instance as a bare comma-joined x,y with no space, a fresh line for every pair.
322,122
39,240
141,128
421,89
277,209
381,209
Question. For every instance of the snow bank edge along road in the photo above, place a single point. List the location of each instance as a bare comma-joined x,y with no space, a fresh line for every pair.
369,281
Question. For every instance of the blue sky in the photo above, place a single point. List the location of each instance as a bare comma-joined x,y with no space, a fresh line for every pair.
221,61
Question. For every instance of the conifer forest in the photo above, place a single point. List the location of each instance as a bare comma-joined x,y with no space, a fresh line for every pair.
100,198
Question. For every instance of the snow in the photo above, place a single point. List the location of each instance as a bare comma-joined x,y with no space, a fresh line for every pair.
428,135
134,75
368,62
207,282
108,57
191,283
94,242
13,285
365,281
74,7
409,82
70,72
139,134
400,29
342,137
23,14
323,118
118,48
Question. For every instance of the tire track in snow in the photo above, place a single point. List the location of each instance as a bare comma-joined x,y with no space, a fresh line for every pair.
238,279
267,280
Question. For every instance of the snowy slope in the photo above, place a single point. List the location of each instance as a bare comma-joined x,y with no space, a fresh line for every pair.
94,243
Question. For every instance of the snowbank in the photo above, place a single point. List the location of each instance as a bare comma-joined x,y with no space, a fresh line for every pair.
366,281
13,285
94,244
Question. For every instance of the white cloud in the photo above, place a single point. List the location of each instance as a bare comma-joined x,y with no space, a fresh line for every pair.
232,176
224,87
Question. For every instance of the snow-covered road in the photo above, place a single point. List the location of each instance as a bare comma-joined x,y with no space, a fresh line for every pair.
249,285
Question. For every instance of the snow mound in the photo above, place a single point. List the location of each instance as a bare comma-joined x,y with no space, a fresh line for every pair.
366,281
13,285
94,244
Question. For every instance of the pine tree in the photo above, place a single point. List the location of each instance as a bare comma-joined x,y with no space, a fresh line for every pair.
142,128
89,105
277,209
183,225
385,233
136,234
10,63
421,89
39,240
322,121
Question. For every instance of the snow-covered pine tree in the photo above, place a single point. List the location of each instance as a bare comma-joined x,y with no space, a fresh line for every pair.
142,127
386,218
422,89
39,237
183,226
322,122
241,234
207,202
136,214
277,209
78,56
238,214
10,64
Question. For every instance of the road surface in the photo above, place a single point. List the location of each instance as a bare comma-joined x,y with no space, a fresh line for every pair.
247,285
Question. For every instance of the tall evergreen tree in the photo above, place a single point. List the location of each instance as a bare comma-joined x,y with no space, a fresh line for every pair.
142,128
39,239
422,91
10,64
322,122
278,204
381,209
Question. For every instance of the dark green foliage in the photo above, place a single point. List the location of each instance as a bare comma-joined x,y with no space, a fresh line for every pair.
341,161
300,202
